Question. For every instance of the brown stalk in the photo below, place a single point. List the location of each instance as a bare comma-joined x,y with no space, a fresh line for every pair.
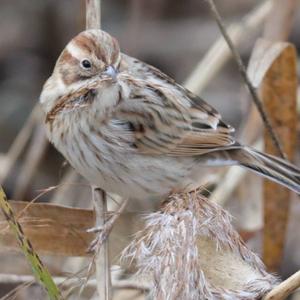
61,230
279,93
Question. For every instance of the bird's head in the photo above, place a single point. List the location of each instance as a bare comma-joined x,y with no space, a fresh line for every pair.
89,56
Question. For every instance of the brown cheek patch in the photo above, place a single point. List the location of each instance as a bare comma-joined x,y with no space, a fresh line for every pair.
69,77
67,58
67,64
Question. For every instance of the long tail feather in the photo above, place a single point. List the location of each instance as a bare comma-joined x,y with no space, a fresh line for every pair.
269,166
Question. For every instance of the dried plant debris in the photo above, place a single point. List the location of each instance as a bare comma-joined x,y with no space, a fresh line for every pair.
191,251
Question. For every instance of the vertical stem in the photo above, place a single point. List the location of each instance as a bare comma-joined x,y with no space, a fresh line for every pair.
93,14
93,21
102,260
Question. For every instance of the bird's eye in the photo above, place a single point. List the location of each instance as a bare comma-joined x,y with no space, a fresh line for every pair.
86,64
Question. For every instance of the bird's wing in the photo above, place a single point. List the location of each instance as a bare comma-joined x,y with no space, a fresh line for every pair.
164,117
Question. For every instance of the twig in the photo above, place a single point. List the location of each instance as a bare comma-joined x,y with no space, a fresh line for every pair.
244,75
285,288
33,158
219,53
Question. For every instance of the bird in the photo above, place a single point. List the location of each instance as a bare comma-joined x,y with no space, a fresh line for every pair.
131,130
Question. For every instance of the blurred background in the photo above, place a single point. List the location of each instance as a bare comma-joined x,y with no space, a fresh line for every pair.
171,35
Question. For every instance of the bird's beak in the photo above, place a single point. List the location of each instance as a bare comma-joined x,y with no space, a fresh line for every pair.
111,71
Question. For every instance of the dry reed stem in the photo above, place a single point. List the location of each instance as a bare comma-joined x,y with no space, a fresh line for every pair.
219,53
52,229
102,264
60,230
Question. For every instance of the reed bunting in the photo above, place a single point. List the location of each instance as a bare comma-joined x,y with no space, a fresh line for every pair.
132,130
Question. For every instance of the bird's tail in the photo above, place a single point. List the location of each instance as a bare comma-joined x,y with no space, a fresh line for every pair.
269,166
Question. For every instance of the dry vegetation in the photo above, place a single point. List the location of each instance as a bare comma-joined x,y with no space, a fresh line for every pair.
188,246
